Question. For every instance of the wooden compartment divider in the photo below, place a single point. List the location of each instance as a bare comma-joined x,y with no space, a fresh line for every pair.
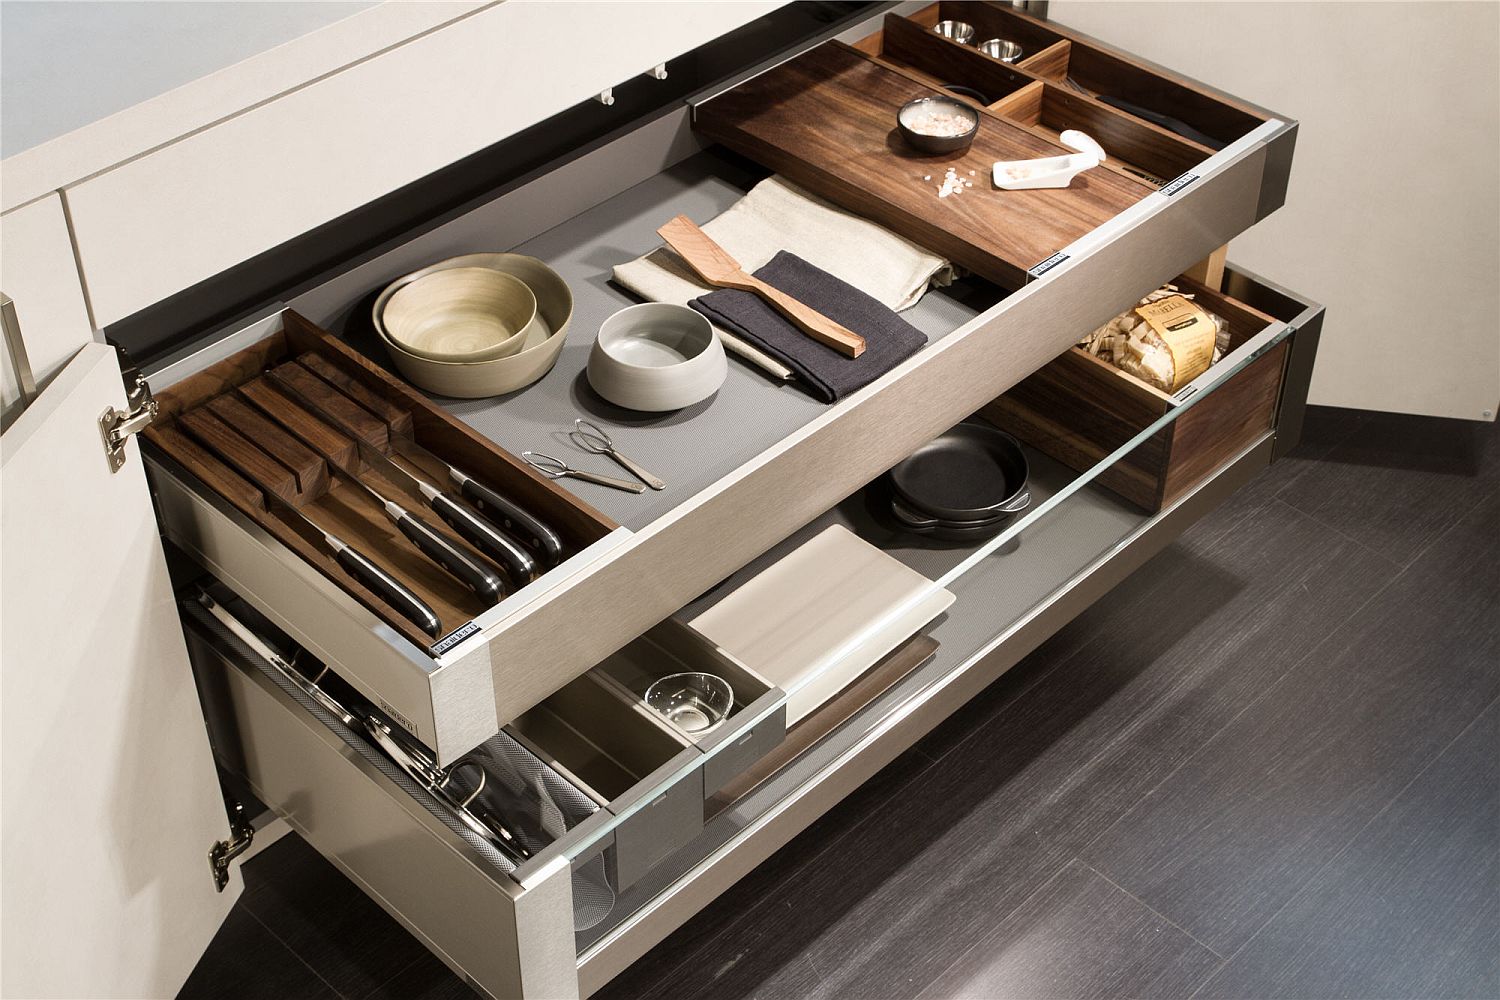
308,466
1049,62
912,46
224,426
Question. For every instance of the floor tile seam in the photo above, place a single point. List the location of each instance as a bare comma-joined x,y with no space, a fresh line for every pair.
1455,521
1320,456
1153,910
775,891
1025,692
1363,546
1062,866
295,954
394,976
1348,844
1269,690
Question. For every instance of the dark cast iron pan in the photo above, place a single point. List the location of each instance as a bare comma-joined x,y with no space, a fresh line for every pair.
961,532
974,472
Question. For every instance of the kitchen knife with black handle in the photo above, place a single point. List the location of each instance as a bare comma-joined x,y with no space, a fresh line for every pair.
378,581
510,554
355,563
470,570
506,514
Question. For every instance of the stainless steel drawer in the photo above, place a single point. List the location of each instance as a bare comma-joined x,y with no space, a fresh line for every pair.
746,472
672,828
393,831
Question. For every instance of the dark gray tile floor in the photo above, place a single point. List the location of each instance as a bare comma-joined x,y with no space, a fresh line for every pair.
1265,766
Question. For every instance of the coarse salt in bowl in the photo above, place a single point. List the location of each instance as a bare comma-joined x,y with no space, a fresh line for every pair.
938,124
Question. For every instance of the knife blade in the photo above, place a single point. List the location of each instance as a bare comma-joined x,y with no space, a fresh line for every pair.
543,541
354,562
470,570
366,571
515,560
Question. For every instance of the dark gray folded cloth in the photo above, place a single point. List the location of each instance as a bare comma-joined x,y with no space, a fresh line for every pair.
889,339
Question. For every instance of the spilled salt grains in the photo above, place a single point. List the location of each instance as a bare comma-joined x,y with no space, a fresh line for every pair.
952,184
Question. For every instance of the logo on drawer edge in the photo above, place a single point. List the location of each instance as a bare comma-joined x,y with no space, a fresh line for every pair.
397,717
1048,264
453,638
1178,184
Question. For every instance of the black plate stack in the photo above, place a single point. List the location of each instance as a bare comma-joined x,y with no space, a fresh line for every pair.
964,486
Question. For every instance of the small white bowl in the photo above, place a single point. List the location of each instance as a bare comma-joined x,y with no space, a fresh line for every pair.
657,357
463,314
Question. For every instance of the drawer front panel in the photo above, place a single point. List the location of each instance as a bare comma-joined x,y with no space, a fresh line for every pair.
744,750
682,554
487,929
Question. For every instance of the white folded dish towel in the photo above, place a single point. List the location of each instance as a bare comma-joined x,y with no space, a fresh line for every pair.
777,215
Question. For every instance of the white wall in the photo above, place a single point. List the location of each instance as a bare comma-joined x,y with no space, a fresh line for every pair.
1393,216
66,63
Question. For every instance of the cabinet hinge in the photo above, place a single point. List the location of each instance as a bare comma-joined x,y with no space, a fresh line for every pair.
241,834
116,426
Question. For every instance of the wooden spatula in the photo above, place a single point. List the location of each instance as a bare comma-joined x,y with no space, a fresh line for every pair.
717,268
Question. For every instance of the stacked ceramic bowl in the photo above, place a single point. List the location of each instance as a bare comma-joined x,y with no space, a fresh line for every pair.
478,325
963,486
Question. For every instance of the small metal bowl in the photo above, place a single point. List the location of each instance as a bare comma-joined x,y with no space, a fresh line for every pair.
1003,49
959,31
912,112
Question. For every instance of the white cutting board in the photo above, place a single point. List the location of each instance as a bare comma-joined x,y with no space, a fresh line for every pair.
823,615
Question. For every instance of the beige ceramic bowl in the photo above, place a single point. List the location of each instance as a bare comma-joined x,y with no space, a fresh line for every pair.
657,357
461,314
539,349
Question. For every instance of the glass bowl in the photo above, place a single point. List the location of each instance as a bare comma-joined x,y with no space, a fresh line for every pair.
695,703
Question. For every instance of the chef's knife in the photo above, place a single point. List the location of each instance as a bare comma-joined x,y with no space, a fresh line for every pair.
356,563
542,539
502,513
378,581
482,535
512,556
469,570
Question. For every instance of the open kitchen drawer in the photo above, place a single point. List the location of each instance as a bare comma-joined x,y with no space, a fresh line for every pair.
744,470
673,824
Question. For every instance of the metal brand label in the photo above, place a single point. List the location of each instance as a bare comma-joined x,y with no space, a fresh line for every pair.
1179,184
396,717
453,638
1048,264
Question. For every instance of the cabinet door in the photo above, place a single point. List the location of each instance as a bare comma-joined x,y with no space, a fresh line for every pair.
111,799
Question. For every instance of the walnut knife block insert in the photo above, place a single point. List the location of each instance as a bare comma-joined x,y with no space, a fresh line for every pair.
218,424
827,120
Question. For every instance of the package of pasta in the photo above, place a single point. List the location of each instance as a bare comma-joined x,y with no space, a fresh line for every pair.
1166,341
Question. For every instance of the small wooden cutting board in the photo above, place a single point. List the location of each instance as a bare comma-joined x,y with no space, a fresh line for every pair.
827,121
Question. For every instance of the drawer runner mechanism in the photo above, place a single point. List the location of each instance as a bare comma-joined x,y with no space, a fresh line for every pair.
413,760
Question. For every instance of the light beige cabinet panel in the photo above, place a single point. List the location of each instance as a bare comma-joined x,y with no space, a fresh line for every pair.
111,800
1394,209
167,220
38,271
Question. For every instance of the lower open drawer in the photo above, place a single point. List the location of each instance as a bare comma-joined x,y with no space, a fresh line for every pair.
657,823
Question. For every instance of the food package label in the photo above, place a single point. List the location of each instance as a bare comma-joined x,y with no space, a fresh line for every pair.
1187,331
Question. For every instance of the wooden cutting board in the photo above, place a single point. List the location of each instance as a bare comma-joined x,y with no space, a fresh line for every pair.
827,121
